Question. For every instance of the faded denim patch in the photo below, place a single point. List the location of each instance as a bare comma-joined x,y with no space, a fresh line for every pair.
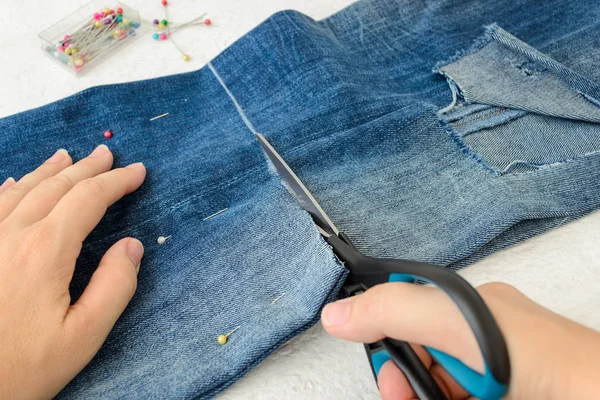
517,108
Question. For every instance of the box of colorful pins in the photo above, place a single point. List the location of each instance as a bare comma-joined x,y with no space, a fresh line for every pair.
90,35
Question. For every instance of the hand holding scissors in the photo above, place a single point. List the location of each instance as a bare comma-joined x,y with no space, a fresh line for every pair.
366,272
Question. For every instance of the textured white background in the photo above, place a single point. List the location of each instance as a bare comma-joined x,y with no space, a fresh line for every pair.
560,269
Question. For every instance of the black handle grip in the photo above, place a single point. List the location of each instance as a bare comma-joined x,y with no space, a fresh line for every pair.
371,271
419,377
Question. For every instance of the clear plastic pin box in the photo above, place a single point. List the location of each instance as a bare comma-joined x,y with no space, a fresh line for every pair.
91,35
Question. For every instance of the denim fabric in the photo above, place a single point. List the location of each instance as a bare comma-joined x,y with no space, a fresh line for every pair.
438,132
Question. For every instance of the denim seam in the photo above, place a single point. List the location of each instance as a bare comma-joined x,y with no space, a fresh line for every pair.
477,117
239,108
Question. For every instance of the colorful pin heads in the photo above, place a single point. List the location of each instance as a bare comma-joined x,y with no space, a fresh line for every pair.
156,36
108,134
164,2
156,22
91,36
163,36
164,22
186,57
207,22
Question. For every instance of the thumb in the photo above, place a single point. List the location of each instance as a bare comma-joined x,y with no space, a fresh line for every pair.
111,288
404,311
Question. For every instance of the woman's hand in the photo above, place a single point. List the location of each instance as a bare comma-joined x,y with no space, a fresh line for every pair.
551,357
44,218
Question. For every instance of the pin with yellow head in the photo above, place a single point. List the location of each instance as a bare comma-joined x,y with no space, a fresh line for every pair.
222,339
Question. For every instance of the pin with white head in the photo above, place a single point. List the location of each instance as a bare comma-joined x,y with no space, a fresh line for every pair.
162,239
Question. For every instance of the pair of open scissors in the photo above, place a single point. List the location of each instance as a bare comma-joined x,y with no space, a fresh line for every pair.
365,272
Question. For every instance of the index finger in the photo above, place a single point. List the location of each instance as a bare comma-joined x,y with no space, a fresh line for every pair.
82,208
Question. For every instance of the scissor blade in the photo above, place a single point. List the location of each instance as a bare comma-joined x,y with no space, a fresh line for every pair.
297,188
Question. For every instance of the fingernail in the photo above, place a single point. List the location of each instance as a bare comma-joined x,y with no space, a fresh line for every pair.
135,165
337,313
135,251
99,151
59,156
9,181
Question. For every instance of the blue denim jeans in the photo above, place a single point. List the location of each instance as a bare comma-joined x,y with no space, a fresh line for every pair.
437,132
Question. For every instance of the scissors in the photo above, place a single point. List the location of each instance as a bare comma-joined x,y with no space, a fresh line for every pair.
365,272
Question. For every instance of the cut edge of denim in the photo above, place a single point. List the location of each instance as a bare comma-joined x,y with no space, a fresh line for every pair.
466,149
477,45
572,78
589,90
542,166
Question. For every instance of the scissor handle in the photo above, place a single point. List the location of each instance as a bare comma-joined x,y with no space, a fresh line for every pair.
407,360
371,271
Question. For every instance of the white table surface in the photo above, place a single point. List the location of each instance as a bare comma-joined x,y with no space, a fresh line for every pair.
560,269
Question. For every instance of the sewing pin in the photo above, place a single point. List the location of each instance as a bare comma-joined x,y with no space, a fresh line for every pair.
215,214
162,239
278,298
159,116
222,339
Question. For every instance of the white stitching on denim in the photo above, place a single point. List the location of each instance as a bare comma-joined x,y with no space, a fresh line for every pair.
239,108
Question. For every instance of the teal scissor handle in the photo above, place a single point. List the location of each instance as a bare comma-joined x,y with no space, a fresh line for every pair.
484,387
369,271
